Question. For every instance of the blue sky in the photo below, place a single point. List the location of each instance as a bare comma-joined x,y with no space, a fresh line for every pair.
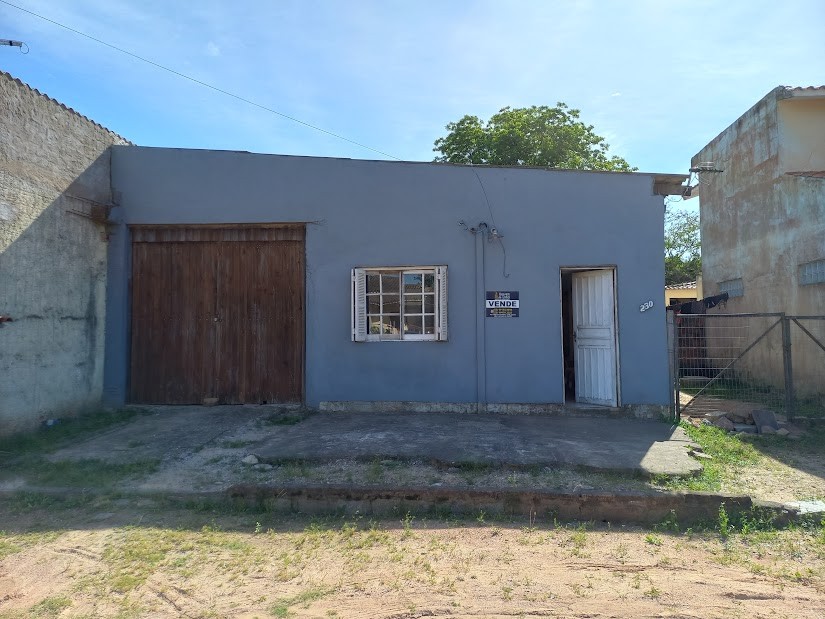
657,79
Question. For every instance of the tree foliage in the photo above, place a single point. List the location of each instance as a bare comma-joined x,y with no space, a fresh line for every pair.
683,256
541,136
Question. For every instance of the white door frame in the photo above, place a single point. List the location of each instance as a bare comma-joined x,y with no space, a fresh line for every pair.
617,361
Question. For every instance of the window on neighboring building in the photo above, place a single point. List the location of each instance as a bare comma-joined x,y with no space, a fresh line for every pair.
407,303
812,273
734,287
681,300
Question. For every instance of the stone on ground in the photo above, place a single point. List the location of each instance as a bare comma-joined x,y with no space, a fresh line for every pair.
764,418
724,423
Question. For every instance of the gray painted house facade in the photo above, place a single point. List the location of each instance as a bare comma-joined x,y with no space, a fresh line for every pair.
573,244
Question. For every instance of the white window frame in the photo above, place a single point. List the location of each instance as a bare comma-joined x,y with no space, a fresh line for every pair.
811,273
360,328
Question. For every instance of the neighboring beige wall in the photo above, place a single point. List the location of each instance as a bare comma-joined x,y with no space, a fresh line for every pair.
802,131
52,261
759,224
680,293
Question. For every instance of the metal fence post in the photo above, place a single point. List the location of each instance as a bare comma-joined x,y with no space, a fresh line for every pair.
788,365
675,385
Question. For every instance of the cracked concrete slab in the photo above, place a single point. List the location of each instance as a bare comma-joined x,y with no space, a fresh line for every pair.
648,447
523,441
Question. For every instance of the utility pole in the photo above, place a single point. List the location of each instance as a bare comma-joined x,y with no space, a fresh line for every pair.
13,43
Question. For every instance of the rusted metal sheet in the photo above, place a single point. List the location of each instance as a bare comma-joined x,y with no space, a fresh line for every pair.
217,312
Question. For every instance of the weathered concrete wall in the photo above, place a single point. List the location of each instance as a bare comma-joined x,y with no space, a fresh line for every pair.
759,224
802,131
376,213
52,261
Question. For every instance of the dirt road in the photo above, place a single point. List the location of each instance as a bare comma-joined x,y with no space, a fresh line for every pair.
140,559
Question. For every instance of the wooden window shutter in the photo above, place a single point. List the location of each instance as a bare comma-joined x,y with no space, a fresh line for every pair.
441,277
359,305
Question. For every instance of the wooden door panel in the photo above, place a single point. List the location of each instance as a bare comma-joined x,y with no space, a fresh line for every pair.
173,335
261,316
217,313
595,349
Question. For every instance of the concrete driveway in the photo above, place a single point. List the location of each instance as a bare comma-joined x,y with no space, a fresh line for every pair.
172,433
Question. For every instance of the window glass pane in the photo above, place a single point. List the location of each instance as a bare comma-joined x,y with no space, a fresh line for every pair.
429,282
374,323
391,325
392,305
373,282
429,303
412,324
412,282
412,303
429,325
374,304
389,282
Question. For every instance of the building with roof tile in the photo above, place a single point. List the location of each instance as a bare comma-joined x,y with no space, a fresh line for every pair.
179,276
55,195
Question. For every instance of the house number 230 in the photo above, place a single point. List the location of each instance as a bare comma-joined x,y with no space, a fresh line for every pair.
645,306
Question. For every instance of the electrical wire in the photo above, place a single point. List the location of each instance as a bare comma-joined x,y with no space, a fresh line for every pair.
492,221
483,190
201,83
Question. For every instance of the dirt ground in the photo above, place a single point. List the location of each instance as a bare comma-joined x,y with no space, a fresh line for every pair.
128,558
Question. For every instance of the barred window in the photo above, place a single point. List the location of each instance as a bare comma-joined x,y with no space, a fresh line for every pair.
734,287
812,273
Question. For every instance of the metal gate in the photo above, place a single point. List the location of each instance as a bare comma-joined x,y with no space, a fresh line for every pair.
739,362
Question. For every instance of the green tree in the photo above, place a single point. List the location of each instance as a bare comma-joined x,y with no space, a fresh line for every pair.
683,256
540,135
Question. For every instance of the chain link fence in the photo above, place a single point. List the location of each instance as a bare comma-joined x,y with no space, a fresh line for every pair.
736,363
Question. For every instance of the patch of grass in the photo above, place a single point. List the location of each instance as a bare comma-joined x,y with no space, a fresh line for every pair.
83,473
48,439
287,417
50,607
578,539
235,444
728,451
653,540
133,557
305,598
670,523
406,524
34,501
374,473
12,544
809,407
475,467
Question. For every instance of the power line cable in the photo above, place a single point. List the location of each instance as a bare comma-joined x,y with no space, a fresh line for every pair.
197,81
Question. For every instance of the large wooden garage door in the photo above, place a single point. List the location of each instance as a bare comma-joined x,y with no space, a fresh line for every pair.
217,312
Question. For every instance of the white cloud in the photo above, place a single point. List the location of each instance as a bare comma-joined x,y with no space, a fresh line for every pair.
212,49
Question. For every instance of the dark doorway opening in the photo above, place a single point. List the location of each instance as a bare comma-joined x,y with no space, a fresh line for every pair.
568,331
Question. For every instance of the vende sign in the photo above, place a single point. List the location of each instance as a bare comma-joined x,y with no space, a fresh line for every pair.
501,304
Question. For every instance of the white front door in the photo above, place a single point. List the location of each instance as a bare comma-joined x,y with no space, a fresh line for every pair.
595,336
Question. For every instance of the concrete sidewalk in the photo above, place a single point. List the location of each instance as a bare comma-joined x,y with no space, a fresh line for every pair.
593,443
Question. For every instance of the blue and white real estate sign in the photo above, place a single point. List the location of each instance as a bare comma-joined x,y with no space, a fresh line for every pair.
501,304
